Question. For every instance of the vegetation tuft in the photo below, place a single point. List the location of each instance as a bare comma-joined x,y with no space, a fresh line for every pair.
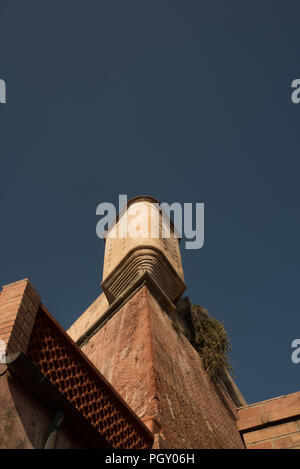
211,342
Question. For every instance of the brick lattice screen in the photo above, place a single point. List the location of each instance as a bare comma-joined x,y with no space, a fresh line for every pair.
80,383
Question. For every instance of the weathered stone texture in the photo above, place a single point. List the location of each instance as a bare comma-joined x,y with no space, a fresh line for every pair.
160,375
122,351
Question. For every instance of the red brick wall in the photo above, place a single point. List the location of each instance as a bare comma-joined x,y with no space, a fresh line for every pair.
160,375
27,327
24,420
19,303
271,424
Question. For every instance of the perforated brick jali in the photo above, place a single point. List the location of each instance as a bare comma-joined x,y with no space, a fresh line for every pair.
66,368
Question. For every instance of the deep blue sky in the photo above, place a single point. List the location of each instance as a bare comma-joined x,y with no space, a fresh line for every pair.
186,101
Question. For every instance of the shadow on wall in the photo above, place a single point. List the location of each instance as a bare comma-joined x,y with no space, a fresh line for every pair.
24,420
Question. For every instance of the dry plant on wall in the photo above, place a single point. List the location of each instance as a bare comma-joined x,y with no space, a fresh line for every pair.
211,342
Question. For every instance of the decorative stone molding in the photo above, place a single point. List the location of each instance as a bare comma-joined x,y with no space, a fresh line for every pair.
141,260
